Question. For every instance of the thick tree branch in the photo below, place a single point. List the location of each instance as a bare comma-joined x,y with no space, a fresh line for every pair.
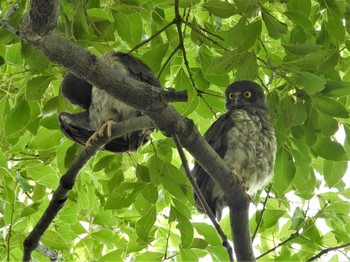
147,100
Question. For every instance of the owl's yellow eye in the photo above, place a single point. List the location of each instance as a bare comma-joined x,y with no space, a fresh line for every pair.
231,96
247,94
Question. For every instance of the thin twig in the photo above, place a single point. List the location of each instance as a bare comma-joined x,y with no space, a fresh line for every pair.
325,251
179,22
152,37
204,203
261,214
168,60
167,243
4,22
292,236
203,35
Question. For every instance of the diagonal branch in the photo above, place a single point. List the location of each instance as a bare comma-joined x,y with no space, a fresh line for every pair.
67,181
325,251
204,203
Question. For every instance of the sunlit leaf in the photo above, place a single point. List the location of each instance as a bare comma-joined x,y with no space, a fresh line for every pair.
220,9
145,223
275,28
333,171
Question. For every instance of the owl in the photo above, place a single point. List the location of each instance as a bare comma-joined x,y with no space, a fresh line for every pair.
244,138
100,107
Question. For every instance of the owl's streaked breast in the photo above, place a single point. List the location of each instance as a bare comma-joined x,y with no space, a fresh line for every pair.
105,107
251,149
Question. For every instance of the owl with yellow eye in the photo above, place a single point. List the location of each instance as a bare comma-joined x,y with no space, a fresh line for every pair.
244,138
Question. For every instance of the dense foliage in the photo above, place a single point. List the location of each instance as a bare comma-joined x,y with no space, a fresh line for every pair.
140,205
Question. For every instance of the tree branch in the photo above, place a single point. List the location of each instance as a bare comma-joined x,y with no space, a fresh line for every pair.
204,203
67,181
325,251
261,214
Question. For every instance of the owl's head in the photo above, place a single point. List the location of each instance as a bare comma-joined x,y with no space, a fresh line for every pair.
245,93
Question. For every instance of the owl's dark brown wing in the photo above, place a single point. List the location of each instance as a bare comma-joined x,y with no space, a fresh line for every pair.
137,69
76,90
76,127
216,136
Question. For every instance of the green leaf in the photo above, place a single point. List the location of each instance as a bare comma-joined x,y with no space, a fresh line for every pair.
330,106
100,14
173,182
46,139
329,149
188,255
103,162
69,213
54,240
154,58
105,218
150,193
297,219
300,5
135,243
333,172
123,195
312,83
234,34
18,117
301,49
299,18
44,175
252,33
223,64
104,236
274,27
220,9
248,70
300,113
30,209
185,226
145,223
334,25
182,81
149,256
337,88
304,179
327,124
284,171
209,233
271,217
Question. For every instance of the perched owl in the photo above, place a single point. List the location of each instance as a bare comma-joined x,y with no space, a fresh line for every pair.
244,138
101,107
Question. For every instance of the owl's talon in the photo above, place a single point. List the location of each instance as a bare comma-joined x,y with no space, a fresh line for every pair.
108,125
101,133
239,179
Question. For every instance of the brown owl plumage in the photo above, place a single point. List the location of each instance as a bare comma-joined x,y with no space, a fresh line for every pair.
101,107
244,138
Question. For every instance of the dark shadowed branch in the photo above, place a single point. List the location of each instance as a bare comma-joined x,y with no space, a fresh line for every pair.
204,203
67,181
326,250
261,213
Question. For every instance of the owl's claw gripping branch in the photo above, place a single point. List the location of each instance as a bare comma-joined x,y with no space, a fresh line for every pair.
101,132
239,179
